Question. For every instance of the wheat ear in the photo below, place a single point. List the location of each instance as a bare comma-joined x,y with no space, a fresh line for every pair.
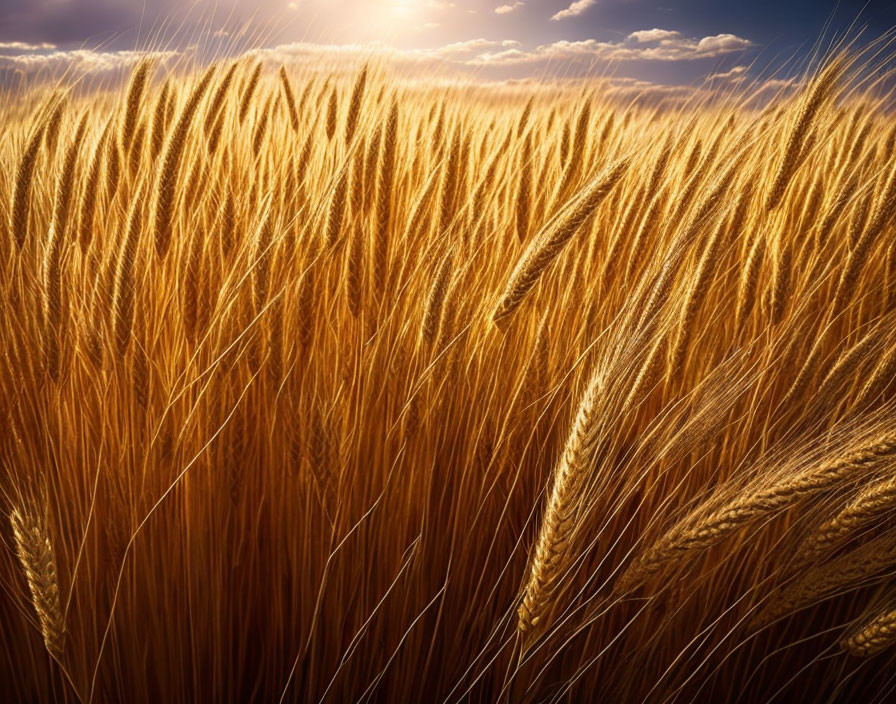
836,576
701,530
547,245
354,106
821,89
35,552
164,204
548,560
872,503
874,637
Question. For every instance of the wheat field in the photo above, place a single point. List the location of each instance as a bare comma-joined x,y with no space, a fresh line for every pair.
332,388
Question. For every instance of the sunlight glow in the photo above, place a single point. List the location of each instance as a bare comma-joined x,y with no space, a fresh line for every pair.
405,8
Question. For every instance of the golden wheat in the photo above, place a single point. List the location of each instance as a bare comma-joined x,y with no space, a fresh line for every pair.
340,385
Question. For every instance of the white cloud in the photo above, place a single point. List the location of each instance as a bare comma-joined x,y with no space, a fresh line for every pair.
653,35
648,45
506,9
735,73
80,63
23,46
471,46
723,43
577,8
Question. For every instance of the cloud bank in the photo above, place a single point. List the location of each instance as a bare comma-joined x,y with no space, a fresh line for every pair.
649,45
478,60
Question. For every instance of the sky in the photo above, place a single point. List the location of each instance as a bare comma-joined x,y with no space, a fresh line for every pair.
664,41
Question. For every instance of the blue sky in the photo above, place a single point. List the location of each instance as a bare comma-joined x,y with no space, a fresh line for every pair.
657,40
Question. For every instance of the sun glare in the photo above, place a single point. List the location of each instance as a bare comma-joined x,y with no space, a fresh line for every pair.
405,8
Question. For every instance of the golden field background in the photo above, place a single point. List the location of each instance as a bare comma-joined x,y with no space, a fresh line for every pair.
326,389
